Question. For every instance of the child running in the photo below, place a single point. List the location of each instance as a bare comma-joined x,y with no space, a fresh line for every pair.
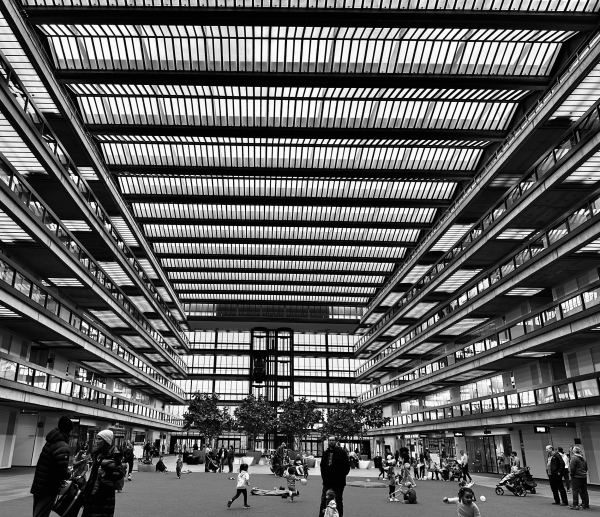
465,505
179,466
291,477
331,508
243,480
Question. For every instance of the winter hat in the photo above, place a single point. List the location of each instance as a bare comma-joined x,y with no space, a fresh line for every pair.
65,425
107,436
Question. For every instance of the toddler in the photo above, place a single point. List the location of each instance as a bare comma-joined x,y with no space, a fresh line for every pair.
178,466
291,477
391,477
331,508
464,503
243,480
410,494
406,477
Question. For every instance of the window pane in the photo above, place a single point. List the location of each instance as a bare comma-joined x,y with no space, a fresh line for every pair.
587,388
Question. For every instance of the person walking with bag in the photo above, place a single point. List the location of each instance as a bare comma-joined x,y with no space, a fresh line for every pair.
335,466
52,468
100,489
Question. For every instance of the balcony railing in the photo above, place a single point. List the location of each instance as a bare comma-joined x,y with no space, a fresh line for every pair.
72,174
583,387
491,163
27,286
24,373
587,127
53,225
532,322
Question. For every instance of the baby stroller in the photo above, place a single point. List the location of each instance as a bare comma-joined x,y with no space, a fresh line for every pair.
301,467
401,489
513,483
455,471
211,464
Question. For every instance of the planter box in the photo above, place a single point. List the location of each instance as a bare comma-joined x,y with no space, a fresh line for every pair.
363,464
311,462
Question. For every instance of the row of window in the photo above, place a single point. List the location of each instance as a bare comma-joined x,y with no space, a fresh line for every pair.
22,374
536,244
25,286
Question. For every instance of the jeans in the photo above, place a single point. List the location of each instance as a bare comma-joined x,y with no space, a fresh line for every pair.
130,464
42,504
465,469
339,499
579,486
558,489
230,464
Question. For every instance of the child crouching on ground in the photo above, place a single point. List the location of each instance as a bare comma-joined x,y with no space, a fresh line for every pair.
243,480
291,477
178,466
465,505
410,494
331,508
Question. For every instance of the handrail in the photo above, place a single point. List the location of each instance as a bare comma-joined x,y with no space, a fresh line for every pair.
24,193
562,390
71,172
531,322
526,120
23,372
535,175
27,286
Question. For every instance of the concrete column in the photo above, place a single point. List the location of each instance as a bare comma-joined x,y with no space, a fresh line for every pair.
8,425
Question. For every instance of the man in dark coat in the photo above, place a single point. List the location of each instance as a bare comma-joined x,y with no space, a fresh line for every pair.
335,466
554,468
52,468
230,457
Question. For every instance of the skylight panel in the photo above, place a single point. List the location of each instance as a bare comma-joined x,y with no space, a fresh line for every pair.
109,318
335,289
424,348
581,98
164,294
588,173
515,234
314,50
451,237
271,265
462,326
290,250
525,291
148,269
285,187
16,151
458,279
159,325
87,173
420,310
10,231
124,231
76,226
141,304
415,274
7,313
137,342
272,276
65,282
115,273
103,367
239,297
592,247
374,318
268,156
280,213
394,330
476,5
391,299
366,235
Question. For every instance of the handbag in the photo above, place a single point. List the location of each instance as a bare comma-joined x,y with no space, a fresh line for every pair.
70,502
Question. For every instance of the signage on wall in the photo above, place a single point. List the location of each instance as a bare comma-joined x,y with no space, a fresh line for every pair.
458,433
422,436
487,431
541,429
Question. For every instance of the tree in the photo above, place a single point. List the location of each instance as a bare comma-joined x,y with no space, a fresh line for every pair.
204,414
255,416
349,419
298,418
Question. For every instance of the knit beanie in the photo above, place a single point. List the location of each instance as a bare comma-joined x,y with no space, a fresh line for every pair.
65,425
107,436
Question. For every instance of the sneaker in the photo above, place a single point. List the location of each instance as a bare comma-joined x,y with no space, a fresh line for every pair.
390,499
573,507
395,499
246,506
128,478
229,503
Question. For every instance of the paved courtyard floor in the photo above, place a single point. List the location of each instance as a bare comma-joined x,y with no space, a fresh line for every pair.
199,493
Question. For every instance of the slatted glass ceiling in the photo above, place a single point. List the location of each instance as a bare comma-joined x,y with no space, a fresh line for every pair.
477,5
304,49
218,264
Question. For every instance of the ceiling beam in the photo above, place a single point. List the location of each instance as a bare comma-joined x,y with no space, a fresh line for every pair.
311,17
348,272
289,172
218,283
303,79
297,258
287,201
302,132
292,241
278,223
234,303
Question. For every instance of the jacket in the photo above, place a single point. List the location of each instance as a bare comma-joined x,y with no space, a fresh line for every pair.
556,465
335,466
100,489
578,467
53,464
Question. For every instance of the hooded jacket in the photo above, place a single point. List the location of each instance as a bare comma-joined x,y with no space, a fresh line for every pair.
335,466
53,464
100,488
578,467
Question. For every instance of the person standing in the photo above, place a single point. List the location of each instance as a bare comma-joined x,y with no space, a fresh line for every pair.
554,468
128,457
230,457
222,457
52,468
100,489
464,463
565,473
335,466
80,462
578,470
515,461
